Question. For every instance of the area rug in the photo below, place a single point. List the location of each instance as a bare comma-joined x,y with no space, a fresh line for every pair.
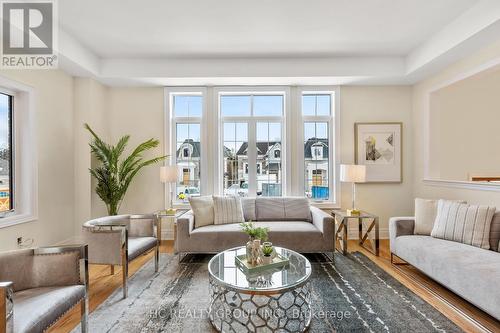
351,295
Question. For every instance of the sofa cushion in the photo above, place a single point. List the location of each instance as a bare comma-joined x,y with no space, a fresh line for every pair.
469,271
227,210
495,232
425,215
139,245
463,223
285,209
36,309
248,205
297,236
203,209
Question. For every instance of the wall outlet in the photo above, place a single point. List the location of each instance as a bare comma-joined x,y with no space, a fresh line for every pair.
19,241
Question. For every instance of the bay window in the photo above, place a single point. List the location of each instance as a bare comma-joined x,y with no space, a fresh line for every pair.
241,141
186,116
317,111
252,132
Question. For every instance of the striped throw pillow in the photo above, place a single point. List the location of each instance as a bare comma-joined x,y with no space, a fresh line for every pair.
463,223
227,210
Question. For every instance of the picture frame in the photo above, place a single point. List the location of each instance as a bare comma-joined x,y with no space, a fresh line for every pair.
379,146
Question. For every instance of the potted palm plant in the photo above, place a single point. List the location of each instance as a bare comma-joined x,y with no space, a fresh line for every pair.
115,173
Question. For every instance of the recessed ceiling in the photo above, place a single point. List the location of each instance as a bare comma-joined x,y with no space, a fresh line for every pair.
237,28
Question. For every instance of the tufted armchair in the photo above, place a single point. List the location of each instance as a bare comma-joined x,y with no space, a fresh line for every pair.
117,240
38,286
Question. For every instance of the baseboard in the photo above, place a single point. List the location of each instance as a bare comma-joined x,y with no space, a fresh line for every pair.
353,233
167,235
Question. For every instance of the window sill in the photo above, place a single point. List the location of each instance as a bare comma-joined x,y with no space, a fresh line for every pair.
324,205
15,219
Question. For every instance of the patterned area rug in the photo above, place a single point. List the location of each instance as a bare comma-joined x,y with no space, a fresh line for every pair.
354,295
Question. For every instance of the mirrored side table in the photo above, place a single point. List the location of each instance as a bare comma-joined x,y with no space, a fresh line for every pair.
342,219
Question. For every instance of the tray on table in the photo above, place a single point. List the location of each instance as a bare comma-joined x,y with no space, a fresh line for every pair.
278,262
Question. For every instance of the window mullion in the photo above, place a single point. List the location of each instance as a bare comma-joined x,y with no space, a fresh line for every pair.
252,158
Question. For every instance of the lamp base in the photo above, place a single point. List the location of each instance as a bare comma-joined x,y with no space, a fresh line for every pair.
353,212
171,211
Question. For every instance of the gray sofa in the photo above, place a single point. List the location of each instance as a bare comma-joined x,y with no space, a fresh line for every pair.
38,286
291,221
470,272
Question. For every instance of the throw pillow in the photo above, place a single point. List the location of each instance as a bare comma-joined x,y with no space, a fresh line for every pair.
425,215
227,210
203,210
467,224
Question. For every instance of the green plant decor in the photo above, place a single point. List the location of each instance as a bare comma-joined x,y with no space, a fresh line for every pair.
254,232
267,250
114,174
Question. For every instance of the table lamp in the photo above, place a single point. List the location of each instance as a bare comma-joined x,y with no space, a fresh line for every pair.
350,173
168,175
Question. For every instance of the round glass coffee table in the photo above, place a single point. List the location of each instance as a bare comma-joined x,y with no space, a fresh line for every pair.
269,301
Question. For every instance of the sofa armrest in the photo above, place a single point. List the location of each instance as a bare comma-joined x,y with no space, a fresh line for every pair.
184,225
6,307
400,226
105,243
323,221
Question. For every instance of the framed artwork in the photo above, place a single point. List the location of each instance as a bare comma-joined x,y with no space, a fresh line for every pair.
379,147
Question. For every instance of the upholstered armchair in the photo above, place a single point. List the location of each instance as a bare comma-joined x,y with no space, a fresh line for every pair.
38,286
117,240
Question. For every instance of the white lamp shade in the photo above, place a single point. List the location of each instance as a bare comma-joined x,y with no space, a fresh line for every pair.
350,173
168,174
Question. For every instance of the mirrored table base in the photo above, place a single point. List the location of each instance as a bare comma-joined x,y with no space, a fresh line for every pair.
234,311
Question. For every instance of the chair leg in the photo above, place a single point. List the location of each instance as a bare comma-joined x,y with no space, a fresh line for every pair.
125,279
84,313
157,257
112,268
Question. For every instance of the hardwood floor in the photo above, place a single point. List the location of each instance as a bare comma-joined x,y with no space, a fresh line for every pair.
466,316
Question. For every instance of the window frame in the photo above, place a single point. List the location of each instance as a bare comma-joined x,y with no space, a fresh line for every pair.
24,171
171,136
333,121
252,121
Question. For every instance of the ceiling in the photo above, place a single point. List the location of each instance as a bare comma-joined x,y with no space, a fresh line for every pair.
158,42
241,28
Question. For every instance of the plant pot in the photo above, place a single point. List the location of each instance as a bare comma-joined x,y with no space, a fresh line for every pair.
266,260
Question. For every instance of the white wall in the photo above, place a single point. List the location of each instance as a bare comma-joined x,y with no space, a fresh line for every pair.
419,99
472,103
378,104
139,113
54,137
90,106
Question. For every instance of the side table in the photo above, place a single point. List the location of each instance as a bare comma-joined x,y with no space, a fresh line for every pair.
342,218
172,218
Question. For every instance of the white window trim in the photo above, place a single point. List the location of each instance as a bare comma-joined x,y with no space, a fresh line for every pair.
25,184
170,137
334,135
252,121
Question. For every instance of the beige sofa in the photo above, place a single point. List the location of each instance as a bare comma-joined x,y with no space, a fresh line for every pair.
38,286
117,240
291,221
470,272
